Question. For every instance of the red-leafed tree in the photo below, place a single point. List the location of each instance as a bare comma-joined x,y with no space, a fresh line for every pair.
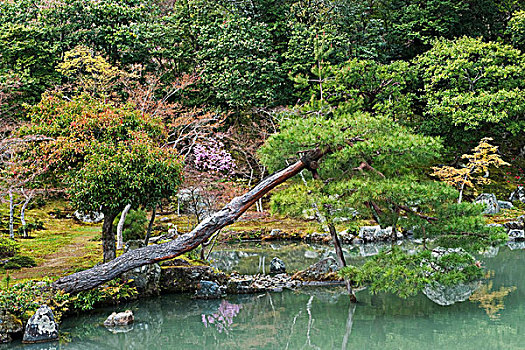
104,156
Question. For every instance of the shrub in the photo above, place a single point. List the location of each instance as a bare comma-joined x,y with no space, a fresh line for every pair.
23,261
134,226
112,292
10,265
8,248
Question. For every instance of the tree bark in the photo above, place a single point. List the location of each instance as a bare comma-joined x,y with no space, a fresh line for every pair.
341,260
11,215
23,215
108,237
97,275
120,226
150,225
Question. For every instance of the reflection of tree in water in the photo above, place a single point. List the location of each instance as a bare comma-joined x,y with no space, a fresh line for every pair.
222,319
491,300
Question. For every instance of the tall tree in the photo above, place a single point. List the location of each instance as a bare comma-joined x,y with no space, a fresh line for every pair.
105,156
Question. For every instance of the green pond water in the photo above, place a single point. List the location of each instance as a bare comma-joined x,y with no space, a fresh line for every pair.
316,318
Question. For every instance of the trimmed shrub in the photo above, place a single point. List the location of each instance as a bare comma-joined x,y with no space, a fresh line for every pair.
8,248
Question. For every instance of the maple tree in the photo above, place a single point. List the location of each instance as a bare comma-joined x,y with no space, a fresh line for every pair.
474,172
103,155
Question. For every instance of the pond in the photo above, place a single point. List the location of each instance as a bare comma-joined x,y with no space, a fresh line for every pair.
316,318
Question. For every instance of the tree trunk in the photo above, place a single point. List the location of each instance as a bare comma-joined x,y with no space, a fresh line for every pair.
120,226
11,215
341,260
150,225
108,237
97,275
23,215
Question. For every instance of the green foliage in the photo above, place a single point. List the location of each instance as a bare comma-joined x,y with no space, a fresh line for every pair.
472,85
22,299
106,156
22,260
404,274
134,226
516,29
11,265
31,226
8,247
110,293
240,66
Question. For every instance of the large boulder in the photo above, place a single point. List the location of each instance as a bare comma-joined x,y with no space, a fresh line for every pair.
518,195
277,266
208,290
376,233
10,326
490,201
516,235
120,319
41,327
89,218
323,270
145,278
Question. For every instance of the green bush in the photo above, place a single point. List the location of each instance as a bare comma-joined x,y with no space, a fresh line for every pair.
23,261
134,226
8,248
10,265
112,292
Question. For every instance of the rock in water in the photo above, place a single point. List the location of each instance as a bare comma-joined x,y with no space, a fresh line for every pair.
41,327
490,201
320,271
208,290
376,233
9,325
448,295
119,319
518,195
277,266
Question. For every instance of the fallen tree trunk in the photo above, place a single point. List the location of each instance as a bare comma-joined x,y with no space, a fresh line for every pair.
99,274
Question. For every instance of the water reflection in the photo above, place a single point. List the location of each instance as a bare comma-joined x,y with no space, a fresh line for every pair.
222,319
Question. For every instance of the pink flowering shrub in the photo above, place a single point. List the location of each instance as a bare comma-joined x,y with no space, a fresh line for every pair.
211,156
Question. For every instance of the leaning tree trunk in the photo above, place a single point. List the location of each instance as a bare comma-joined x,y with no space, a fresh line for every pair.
108,237
97,275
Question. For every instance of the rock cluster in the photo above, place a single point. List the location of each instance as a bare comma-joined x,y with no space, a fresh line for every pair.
241,284
145,278
208,290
